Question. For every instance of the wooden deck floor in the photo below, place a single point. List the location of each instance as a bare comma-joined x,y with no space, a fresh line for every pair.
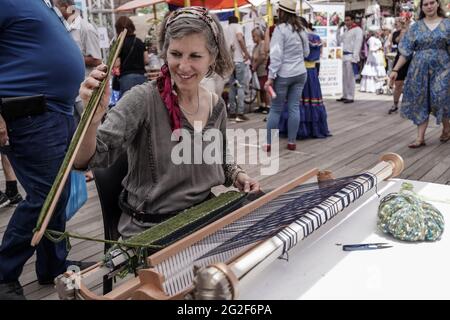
362,132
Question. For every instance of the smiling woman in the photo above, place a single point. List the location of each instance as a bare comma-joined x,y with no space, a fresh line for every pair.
193,46
146,124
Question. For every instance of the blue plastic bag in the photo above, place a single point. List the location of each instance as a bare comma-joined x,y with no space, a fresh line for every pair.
78,193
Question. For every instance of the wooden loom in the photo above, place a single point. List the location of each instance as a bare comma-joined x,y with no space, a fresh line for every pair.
218,276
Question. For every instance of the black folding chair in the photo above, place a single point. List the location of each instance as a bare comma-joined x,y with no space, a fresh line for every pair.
109,186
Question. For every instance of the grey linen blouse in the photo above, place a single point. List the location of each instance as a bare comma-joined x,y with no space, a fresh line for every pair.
139,125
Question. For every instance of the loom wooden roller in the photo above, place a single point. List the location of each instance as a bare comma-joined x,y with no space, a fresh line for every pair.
220,280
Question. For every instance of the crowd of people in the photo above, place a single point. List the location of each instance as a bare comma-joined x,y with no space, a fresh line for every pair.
43,93
286,61
413,60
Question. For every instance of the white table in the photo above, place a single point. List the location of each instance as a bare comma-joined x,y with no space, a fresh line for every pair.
318,268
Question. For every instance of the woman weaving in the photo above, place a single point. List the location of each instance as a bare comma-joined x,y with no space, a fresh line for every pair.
146,120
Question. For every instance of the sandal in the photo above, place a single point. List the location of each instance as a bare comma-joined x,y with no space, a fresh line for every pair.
392,109
417,144
445,136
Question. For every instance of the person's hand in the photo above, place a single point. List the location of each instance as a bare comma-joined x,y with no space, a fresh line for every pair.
87,88
3,132
267,84
153,75
115,71
246,184
392,78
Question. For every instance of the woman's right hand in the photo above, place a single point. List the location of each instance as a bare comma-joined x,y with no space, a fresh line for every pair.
267,84
87,88
392,78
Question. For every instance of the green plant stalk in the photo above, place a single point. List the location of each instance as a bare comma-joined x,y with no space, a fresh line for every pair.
86,117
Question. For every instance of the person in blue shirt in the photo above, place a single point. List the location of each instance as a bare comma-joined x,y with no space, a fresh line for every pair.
41,70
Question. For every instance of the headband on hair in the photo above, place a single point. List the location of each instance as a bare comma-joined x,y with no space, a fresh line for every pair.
195,12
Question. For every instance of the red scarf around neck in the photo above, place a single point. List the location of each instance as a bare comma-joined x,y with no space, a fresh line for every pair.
169,97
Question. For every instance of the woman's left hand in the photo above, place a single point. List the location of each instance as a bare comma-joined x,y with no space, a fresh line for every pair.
246,184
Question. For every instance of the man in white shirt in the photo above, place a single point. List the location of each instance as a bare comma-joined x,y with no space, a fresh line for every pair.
351,41
240,55
86,37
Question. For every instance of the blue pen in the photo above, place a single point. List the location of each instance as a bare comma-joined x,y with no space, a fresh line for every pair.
365,246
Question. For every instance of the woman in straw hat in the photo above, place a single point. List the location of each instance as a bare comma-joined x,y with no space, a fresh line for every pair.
287,71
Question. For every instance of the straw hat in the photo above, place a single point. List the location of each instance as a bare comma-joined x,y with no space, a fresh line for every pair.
287,5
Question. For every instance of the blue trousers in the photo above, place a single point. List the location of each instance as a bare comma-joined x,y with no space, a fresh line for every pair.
130,80
290,90
237,94
37,145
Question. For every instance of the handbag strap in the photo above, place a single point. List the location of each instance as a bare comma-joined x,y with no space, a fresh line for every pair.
129,53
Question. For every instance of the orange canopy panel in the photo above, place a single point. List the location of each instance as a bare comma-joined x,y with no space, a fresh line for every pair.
135,4
211,4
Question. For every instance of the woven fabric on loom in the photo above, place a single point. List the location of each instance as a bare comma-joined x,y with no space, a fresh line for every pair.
189,220
308,205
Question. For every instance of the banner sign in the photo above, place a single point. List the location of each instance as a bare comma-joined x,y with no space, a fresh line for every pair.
326,20
103,37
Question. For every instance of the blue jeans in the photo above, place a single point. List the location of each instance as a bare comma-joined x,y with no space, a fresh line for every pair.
36,151
291,89
128,81
239,74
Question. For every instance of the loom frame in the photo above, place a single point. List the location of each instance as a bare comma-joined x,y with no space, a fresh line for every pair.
148,285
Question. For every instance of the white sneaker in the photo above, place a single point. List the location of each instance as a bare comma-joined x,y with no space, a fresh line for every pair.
4,200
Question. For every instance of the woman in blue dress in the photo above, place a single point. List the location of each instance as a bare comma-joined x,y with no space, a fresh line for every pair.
313,115
426,88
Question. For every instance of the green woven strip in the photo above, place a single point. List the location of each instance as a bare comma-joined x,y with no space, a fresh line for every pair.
190,217
84,122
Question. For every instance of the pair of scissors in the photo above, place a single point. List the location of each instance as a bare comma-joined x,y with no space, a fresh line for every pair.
365,246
